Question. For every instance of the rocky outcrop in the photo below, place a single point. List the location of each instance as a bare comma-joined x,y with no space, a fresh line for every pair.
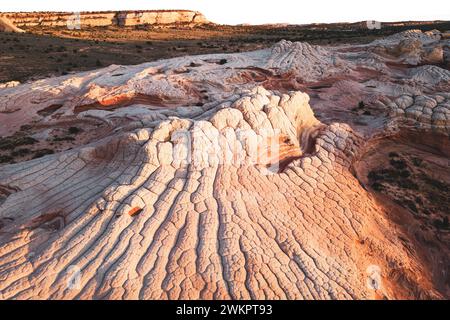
432,112
214,176
107,18
9,84
7,26
430,74
312,62
424,37
412,47
188,209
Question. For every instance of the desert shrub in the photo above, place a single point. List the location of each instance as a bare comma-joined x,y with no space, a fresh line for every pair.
377,186
74,130
417,162
42,152
418,200
374,176
439,185
445,222
56,139
25,127
407,184
12,142
441,224
398,164
20,152
399,178
5,158
393,154
409,204
404,174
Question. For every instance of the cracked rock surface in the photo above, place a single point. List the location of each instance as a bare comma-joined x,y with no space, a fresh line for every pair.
225,176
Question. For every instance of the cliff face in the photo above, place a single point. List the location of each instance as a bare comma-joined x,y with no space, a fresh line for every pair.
160,17
106,18
7,26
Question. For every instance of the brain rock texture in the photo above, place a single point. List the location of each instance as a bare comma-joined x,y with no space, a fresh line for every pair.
247,195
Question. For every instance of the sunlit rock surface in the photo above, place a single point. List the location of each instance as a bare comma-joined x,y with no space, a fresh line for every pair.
104,18
219,176
7,26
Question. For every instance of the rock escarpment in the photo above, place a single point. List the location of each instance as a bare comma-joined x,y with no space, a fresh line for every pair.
105,18
7,26
217,176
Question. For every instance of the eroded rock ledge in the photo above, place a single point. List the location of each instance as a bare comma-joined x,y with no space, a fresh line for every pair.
105,18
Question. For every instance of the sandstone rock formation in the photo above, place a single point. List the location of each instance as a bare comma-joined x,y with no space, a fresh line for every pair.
7,26
217,176
105,18
413,47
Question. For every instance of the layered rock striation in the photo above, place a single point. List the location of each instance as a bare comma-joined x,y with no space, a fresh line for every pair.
106,18
226,176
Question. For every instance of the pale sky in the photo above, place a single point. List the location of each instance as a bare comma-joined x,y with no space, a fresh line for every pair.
259,11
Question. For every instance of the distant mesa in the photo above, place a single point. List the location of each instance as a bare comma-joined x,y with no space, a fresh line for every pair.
101,18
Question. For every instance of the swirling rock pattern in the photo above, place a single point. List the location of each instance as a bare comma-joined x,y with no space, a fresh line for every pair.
426,111
208,186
